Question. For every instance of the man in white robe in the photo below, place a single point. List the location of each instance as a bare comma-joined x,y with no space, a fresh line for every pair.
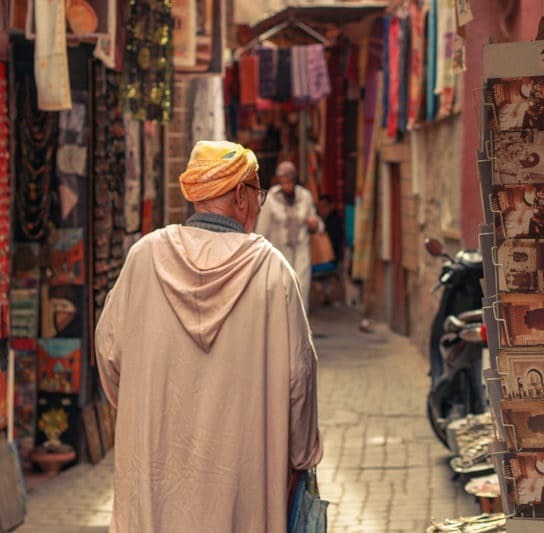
287,219
204,348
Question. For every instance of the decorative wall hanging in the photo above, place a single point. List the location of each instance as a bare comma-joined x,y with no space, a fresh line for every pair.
51,56
61,310
184,33
133,174
24,313
67,257
5,211
57,419
35,156
26,266
59,365
147,72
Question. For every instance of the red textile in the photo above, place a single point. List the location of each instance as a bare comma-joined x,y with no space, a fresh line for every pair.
394,77
417,71
249,80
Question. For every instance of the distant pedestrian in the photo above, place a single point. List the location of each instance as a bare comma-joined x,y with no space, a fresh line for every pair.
204,348
334,225
287,219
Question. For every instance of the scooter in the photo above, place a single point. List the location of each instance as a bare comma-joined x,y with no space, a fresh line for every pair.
457,340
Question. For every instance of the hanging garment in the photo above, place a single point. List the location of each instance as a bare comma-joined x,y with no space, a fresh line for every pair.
319,83
267,72
299,73
249,80
417,67
386,60
445,75
105,44
431,61
404,47
394,77
184,14
208,109
133,174
284,83
51,56
148,68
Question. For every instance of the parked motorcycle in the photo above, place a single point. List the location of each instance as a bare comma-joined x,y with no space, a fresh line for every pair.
457,340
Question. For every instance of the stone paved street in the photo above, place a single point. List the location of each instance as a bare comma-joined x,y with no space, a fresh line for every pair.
383,470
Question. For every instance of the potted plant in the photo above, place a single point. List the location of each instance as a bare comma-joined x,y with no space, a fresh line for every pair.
53,453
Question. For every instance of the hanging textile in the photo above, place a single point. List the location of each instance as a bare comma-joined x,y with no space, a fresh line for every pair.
386,61
71,167
249,80
208,111
319,84
109,177
431,102
133,174
299,73
37,138
105,48
394,76
51,56
4,31
365,208
283,92
153,171
5,201
184,14
445,75
267,72
404,48
147,70
417,67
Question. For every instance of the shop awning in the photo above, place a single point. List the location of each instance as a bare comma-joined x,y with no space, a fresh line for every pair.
263,14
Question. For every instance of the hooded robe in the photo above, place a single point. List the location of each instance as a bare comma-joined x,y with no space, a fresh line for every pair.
204,348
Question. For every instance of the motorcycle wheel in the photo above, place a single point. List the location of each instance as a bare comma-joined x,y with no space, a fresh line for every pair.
437,430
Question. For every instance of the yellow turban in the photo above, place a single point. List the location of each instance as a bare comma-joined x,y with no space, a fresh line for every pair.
215,168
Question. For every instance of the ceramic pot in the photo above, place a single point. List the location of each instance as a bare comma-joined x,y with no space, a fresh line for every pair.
51,462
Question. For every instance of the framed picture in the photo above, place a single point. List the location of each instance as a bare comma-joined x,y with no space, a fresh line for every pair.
90,425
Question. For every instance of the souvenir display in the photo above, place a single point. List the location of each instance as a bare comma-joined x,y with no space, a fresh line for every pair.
24,313
61,310
26,266
512,179
148,69
59,365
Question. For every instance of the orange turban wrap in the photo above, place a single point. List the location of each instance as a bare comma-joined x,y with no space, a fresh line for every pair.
215,168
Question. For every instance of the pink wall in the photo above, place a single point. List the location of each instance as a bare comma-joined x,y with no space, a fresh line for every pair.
521,25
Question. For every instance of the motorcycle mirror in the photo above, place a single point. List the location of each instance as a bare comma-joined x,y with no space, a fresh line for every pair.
434,247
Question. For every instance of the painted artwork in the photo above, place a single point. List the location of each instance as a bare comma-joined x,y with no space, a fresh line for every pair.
522,319
519,210
520,265
517,103
26,266
24,313
68,257
62,311
518,157
524,423
59,365
55,408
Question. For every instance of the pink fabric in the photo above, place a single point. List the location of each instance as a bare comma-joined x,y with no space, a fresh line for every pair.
394,77
417,70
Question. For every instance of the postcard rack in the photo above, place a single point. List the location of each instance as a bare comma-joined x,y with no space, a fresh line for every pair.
510,164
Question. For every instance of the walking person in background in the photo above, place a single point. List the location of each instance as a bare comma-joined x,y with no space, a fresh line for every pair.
334,225
204,348
287,219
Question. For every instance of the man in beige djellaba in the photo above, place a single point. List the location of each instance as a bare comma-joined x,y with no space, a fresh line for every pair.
205,350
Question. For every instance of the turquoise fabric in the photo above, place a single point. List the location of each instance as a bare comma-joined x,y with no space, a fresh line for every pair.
432,29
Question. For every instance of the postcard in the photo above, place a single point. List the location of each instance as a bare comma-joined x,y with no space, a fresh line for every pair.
522,374
522,319
520,265
524,423
519,210
524,473
518,157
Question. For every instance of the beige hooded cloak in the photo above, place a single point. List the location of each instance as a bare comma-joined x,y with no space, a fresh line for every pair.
204,348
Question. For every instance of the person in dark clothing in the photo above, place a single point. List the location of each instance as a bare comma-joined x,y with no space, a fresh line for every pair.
334,225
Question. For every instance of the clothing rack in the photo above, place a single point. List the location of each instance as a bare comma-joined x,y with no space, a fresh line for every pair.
291,22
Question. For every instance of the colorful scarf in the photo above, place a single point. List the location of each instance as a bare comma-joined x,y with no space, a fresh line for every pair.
431,60
417,70
394,36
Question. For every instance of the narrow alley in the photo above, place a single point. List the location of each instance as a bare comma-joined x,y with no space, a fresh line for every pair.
383,470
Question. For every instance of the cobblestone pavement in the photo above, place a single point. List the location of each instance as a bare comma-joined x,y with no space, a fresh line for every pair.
383,470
